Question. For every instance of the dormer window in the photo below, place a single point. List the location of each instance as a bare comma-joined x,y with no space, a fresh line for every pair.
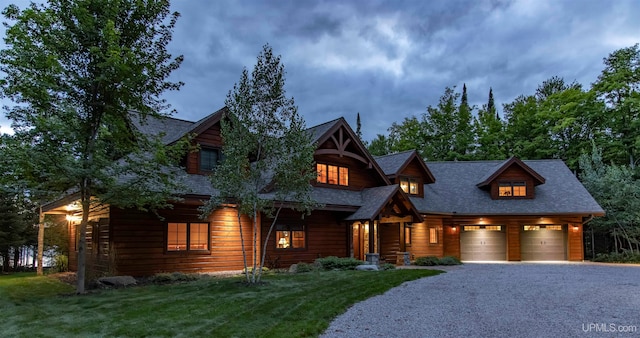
512,189
409,185
332,174
209,159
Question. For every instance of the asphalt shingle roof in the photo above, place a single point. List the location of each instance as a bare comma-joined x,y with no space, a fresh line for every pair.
455,191
391,164
373,199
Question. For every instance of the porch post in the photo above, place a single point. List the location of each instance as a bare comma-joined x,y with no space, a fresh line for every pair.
372,237
402,241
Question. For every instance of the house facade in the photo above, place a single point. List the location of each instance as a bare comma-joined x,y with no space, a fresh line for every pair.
383,208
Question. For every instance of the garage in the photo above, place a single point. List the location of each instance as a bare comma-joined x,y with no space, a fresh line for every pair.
483,243
543,243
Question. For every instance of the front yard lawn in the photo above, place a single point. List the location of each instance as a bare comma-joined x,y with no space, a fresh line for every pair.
299,305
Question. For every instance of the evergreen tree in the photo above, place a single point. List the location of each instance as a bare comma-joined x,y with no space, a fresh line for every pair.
464,135
489,131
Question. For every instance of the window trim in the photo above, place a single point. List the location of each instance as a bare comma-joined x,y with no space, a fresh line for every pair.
291,229
407,235
512,185
188,241
208,148
339,174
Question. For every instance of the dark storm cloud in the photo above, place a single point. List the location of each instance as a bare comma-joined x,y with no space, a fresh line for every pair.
391,59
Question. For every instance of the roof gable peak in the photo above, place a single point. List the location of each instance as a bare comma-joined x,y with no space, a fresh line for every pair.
499,169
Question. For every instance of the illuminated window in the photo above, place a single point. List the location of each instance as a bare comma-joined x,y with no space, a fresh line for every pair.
322,172
512,189
554,227
407,235
332,174
187,236
209,158
493,227
471,228
531,227
433,236
290,237
344,176
409,185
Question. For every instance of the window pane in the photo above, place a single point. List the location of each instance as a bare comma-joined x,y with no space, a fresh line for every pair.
554,227
471,228
407,235
344,176
283,240
433,236
322,172
493,227
176,236
333,174
208,159
531,227
297,240
519,189
404,184
413,187
504,189
199,233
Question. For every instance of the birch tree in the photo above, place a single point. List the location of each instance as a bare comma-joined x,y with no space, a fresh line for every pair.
268,155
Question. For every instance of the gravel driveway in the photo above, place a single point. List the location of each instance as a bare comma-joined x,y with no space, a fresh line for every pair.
504,300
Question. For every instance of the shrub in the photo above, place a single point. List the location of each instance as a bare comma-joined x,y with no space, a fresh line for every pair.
616,257
449,260
304,267
61,263
335,263
427,261
173,277
250,269
387,266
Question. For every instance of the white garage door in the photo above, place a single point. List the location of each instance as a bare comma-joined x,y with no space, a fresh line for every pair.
543,243
483,243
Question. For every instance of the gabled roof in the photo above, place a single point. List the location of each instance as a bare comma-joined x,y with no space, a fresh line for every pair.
394,164
375,199
323,132
493,173
455,191
174,129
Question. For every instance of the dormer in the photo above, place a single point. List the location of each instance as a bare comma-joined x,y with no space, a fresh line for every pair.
408,170
511,179
208,142
342,161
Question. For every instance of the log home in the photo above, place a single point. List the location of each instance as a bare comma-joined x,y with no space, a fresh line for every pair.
383,208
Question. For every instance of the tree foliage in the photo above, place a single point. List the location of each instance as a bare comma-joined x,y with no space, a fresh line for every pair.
83,74
268,155
488,129
617,190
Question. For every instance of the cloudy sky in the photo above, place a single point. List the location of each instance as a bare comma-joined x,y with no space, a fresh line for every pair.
391,59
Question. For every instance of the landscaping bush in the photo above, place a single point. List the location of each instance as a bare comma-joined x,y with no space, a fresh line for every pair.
61,263
449,260
387,266
335,263
427,261
616,257
173,277
304,267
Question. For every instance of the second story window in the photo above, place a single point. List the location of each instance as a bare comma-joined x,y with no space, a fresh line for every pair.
209,158
409,185
512,189
332,174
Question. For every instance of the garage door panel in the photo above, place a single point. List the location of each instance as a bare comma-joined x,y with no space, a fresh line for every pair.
483,245
543,245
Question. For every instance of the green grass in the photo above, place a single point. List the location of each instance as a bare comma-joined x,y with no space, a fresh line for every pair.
300,305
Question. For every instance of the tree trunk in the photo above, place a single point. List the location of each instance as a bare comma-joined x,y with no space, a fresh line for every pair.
266,241
82,244
16,258
244,251
40,270
5,260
